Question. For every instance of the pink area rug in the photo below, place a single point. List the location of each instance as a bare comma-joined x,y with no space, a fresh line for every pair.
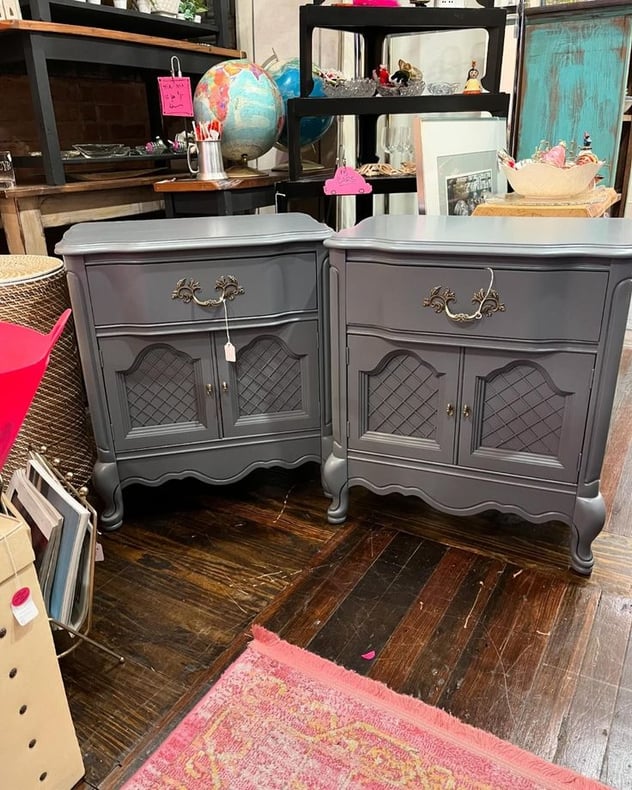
281,718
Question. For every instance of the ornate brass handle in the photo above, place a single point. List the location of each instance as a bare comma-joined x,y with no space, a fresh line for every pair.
488,302
449,410
209,389
466,410
224,386
227,284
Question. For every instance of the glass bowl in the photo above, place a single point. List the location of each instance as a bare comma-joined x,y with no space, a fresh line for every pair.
414,88
350,89
443,88
94,150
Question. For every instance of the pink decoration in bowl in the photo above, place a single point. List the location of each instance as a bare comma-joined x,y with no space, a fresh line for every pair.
542,180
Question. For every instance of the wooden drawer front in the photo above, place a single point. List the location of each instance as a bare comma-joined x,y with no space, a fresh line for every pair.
141,293
552,304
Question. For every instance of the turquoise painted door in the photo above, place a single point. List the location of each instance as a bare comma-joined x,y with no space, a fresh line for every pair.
575,67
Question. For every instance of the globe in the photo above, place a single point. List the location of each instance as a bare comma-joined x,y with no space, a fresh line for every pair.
286,75
246,102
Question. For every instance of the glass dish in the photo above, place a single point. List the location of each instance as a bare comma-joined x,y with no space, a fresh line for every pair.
348,89
443,88
94,150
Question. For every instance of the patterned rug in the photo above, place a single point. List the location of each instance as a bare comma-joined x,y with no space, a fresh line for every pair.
282,718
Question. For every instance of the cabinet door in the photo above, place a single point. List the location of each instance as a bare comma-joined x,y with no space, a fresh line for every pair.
160,390
402,398
525,414
272,386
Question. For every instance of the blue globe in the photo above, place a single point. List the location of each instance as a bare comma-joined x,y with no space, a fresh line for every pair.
244,99
286,76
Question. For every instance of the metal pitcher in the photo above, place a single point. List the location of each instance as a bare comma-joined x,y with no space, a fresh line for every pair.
210,166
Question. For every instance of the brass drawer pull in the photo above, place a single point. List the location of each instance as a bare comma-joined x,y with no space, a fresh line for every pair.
224,386
449,410
488,302
209,389
466,410
227,284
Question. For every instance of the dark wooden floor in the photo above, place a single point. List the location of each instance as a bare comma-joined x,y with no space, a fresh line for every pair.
479,616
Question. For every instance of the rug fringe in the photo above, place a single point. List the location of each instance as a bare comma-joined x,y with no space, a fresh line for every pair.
420,713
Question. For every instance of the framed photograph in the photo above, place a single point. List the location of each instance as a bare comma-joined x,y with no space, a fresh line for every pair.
457,163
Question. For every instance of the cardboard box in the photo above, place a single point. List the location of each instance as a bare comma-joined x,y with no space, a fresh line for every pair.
38,743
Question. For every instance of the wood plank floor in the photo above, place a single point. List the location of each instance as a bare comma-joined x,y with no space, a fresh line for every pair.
479,616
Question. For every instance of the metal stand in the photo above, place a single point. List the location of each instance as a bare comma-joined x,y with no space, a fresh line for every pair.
80,495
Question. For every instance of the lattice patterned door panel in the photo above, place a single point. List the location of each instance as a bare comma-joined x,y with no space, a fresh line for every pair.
161,390
404,398
273,385
525,414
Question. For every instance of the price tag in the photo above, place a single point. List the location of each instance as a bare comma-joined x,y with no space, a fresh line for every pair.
175,96
23,606
229,352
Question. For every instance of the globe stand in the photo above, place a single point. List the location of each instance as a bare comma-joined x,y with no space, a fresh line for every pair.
242,170
307,166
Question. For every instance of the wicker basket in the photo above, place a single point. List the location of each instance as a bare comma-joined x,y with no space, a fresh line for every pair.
34,293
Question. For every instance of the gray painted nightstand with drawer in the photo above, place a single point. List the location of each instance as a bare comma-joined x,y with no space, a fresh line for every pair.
151,300
474,363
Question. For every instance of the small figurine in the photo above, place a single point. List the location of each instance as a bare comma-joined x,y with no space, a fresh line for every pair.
158,146
586,155
381,75
405,73
473,84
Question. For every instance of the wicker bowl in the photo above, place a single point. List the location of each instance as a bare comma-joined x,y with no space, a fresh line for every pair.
541,180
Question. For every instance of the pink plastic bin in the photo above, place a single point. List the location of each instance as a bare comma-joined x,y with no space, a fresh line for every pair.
24,355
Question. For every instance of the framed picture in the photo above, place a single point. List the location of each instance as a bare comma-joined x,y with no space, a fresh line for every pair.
457,162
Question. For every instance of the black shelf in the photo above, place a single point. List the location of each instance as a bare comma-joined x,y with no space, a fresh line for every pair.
76,12
495,103
375,24
36,160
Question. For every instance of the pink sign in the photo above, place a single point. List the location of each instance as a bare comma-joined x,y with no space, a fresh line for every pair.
175,96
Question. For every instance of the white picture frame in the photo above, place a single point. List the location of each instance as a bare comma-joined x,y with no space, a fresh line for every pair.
456,162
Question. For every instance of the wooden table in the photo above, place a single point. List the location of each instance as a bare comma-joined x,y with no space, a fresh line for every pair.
593,204
190,197
26,211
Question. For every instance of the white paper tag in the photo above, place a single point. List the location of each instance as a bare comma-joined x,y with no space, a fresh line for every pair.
98,553
229,352
23,606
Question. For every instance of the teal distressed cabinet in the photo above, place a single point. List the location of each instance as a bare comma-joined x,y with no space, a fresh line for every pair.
573,73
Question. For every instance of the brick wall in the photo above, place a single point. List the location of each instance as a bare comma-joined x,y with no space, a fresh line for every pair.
88,109
92,109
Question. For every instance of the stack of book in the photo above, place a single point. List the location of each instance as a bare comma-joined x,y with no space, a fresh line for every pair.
62,533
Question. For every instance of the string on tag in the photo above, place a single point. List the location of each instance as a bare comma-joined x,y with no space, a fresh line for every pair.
5,539
22,604
229,348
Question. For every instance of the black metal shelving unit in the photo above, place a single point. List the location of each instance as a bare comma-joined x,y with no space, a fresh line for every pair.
374,25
